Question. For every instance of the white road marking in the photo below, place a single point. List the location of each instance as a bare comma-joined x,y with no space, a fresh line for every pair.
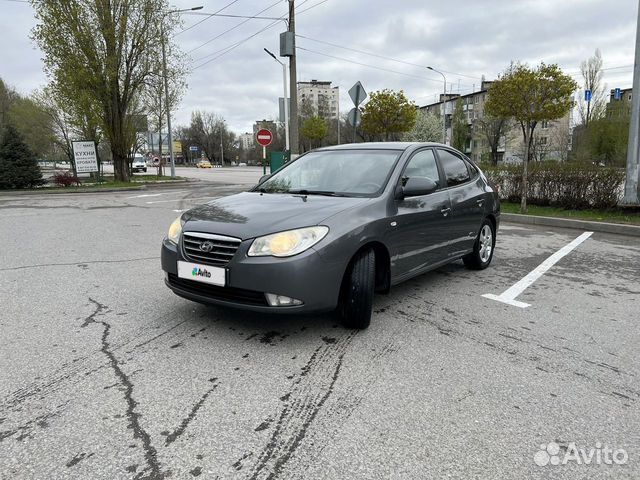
179,211
181,199
145,195
509,295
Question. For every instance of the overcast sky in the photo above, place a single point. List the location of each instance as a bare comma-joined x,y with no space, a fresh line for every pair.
468,38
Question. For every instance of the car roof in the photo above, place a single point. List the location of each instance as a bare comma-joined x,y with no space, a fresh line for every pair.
382,146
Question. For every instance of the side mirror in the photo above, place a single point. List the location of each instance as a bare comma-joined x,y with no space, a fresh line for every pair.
417,186
264,177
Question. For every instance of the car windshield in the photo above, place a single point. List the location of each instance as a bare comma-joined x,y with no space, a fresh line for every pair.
334,172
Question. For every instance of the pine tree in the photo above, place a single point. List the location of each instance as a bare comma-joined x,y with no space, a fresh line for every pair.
18,165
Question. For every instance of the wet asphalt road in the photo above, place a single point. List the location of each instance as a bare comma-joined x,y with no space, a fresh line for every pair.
104,373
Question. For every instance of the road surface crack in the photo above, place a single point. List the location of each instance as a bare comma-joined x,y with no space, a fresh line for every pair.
153,470
70,264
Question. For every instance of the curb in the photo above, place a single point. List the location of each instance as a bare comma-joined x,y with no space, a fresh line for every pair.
618,228
54,191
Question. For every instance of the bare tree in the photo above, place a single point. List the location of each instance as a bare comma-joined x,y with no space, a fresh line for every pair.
494,130
208,130
591,70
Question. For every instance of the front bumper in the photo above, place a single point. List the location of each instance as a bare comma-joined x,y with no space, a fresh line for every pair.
306,277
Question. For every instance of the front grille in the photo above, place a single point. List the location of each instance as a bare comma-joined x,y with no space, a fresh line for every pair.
229,294
222,249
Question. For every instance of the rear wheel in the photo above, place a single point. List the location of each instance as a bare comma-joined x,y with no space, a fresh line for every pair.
482,253
356,302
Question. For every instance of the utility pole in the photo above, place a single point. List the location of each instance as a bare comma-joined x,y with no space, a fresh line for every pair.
338,117
631,194
168,104
444,106
221,147
166,84
284,101
293,85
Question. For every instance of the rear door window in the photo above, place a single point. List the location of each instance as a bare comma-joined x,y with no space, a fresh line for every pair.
455,169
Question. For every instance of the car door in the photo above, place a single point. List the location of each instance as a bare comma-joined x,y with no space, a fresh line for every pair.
418,234
467,201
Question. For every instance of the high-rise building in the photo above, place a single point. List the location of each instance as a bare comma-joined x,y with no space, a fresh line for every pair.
321,96
246,141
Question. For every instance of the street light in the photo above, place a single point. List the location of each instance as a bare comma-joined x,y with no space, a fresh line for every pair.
166,85
444,106
286,107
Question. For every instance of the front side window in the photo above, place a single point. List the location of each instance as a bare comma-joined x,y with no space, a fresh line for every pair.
455,169
335,172
422,164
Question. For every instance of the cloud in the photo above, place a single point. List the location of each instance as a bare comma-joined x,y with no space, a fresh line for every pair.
466,37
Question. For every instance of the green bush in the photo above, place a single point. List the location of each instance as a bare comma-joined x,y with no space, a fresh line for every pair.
18,165
572,185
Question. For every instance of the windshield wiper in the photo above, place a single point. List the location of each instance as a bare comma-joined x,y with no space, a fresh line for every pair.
327,193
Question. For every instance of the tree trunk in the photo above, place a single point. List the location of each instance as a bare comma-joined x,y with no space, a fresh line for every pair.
120,167
525,165
160,152
494,156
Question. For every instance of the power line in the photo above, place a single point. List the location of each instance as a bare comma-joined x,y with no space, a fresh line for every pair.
382,56
309,8
219,53
205,19
233,46
371,66
232,28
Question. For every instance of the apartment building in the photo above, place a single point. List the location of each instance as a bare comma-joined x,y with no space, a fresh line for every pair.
246,140
323,98
620,105
552,140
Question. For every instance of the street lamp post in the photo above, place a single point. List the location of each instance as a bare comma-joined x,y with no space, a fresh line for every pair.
444,106
286,107
221,140
166,86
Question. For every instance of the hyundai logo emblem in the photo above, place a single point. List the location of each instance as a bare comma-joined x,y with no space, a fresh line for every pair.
206,246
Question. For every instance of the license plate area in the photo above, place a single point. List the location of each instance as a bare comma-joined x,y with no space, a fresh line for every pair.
202,273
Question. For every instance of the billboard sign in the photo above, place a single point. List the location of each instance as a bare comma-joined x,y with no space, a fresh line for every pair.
85,157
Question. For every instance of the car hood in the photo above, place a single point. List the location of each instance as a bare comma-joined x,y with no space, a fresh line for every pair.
252,214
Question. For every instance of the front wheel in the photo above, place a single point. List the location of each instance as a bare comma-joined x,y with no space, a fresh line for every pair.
356,303
483,248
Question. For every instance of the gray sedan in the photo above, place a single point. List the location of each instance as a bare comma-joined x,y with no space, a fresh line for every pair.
328,230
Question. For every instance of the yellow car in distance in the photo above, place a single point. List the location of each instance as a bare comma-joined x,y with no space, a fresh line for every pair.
203,164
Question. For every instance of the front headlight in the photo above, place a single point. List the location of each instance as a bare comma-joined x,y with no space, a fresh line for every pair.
287,244
175,230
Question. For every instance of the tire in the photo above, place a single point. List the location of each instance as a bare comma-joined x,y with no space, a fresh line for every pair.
145,170
483,247
356,302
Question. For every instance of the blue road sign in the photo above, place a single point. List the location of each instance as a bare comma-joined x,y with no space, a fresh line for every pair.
193,148
618,94
587,95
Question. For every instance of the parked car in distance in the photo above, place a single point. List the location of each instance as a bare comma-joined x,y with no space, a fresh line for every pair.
242,164
332,227
203,164
138,164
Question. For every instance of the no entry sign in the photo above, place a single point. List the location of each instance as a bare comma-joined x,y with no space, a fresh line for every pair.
264,137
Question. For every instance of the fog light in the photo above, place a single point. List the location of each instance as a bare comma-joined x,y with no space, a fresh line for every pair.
281,301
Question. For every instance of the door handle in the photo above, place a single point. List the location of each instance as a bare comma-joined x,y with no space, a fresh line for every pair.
480,202
445,211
